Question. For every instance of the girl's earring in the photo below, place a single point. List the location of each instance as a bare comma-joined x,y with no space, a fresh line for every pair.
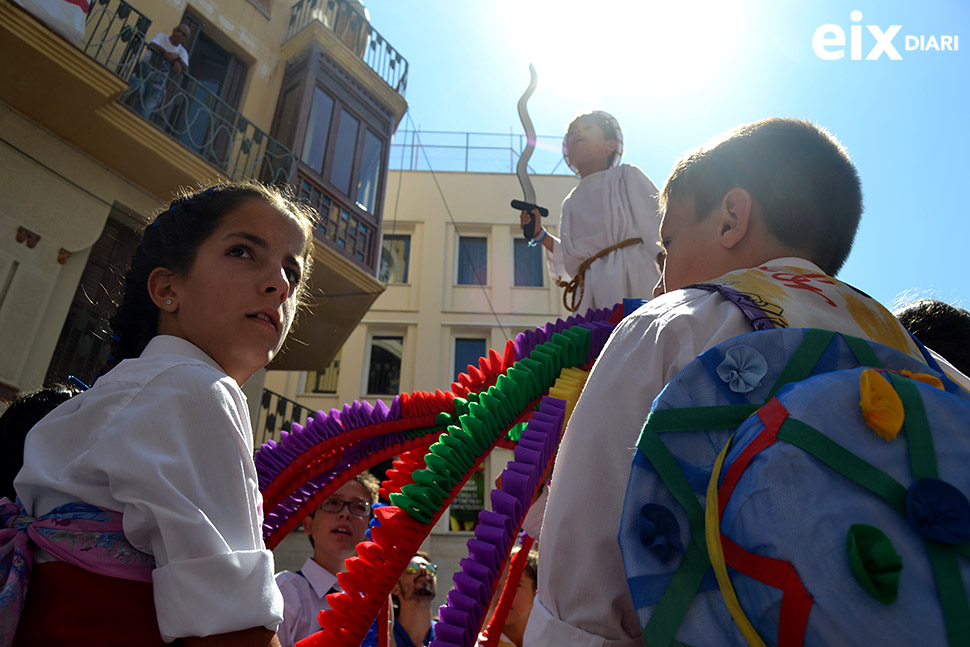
168,302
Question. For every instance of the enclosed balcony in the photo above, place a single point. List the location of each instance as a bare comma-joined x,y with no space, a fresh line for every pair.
347,20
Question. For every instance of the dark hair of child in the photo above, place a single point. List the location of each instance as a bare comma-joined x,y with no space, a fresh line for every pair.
171,241
942,327
800,176
22,414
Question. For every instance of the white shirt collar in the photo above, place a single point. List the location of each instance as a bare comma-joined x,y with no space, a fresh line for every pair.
319,578
793,261
172,345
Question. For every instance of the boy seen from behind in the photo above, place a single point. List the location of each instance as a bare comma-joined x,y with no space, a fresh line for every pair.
763,216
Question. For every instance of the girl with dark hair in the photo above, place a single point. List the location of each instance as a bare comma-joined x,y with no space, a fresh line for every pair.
140,495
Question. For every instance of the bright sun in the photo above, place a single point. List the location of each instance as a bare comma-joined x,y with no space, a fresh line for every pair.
588,50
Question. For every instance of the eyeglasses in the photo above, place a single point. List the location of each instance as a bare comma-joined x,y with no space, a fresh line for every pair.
356,508
414,567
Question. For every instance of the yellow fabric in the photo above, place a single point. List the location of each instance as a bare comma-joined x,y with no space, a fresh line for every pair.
932,380
881,407
712,532
814,300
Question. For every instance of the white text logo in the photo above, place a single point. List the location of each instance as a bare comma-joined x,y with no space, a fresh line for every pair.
828,41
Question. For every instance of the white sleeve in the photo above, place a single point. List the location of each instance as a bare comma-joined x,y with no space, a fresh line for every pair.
294,624
555,260
190,495
641,196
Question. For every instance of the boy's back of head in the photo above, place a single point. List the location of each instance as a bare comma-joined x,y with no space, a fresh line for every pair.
798,174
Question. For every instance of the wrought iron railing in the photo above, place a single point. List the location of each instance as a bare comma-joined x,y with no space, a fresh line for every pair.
114,35
277,413
348,23
200,120
468,152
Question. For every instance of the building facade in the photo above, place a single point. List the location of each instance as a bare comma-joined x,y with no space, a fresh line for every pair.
460,280
97,131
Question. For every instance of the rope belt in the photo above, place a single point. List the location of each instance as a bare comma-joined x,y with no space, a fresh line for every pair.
569,299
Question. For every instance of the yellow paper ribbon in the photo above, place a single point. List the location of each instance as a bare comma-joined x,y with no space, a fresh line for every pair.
712,532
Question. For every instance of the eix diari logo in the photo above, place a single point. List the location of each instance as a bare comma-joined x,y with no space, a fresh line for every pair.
828,41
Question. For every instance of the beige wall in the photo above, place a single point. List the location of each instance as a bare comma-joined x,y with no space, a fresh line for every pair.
430,310
64,196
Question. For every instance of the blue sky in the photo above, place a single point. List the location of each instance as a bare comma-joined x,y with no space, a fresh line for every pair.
676,73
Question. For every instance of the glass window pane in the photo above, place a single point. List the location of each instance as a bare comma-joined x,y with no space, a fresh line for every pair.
343,154
395,259
370,171
467,351
384,373
472,260
317,130
468,503
527,264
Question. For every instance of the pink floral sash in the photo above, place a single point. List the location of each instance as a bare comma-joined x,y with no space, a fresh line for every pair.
84,535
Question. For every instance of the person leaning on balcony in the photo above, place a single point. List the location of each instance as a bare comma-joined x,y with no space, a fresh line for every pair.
175,60
606,248
171,49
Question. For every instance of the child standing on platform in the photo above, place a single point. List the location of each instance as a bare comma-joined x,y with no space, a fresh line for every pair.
140,495
606,250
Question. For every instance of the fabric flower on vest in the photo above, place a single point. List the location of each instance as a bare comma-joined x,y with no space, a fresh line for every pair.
938,511
881,407
874,562
925,378
659,531
743,369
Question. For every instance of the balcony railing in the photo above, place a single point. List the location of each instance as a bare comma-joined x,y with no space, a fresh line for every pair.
114,35
200,120
467,152
349,24
352,230
277,413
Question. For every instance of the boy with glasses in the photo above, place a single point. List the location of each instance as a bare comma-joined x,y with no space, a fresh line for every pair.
334,530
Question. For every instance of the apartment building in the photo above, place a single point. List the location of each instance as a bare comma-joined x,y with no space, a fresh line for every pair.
96,133
460,280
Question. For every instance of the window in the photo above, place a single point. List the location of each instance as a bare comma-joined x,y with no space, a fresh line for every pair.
467,351
343,154
84,344
395,258
370,172
470,500
527,263
324,381
472,260
317,129
384,372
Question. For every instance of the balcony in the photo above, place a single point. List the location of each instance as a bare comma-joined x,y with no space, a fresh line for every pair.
189,136
188,112
351,27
